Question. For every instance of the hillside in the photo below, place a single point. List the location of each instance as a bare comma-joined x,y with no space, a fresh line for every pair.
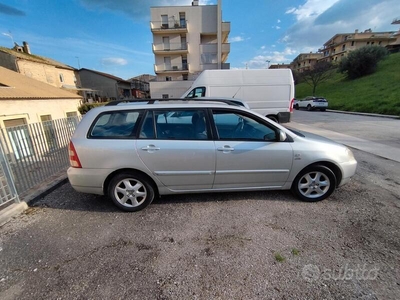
376,93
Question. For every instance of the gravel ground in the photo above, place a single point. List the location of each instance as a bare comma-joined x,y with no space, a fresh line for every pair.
260,245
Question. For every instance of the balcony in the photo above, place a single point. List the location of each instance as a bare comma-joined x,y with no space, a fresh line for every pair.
226,48
175,68
214,66
226,29
159,27
172,48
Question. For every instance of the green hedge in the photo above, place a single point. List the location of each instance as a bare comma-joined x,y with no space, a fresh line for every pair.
84,108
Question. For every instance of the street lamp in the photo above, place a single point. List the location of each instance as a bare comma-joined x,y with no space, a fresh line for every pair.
267,61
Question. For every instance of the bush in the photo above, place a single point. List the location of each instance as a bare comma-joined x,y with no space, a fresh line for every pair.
362,61
84,108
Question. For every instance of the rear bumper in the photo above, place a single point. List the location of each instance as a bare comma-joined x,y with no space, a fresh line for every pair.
87,180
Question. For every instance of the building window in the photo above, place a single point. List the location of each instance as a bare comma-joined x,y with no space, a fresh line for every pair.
164,21
61,77
182,20
344,47
352,43
165,96
185,76
18,134
168,78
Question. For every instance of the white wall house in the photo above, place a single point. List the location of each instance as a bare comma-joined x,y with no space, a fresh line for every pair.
186,41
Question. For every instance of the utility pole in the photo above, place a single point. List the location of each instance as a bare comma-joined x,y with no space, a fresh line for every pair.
79,64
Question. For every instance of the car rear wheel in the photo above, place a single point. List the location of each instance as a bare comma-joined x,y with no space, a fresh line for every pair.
309,108
273,118
314,183
130,191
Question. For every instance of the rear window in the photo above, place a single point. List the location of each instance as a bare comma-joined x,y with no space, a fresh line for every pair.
115,124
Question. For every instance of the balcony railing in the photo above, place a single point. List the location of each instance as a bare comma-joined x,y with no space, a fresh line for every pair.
226,27
172,47
171,68
170,26
214,66
226,48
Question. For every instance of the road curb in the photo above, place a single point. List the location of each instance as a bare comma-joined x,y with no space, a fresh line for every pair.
11,211
31,197
363,114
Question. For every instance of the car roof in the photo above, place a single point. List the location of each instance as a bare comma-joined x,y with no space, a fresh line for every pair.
169,101
164,105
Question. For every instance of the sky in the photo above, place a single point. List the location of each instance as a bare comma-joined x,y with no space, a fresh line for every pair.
114,36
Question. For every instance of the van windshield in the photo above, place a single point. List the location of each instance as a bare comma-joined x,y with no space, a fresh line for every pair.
197,92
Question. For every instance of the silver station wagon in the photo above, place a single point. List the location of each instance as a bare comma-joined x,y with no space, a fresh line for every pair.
135,152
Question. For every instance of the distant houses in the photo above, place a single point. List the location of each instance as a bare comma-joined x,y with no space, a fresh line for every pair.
341,44
24,100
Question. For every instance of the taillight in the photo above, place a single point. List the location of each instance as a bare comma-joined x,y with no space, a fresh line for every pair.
291,105
73,156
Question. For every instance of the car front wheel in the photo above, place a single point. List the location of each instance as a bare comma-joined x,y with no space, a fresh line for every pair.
314,183
130,191
309,108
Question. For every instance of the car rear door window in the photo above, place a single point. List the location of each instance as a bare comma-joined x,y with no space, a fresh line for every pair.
175,124
115,125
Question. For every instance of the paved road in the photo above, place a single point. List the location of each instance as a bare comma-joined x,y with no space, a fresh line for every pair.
379,136
379,130
212,246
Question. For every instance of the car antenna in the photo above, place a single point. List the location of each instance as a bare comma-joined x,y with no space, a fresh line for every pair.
237,92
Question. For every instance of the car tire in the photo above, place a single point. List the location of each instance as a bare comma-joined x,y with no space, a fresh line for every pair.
314,183
273,118
323,109
131,191
296,107
309,108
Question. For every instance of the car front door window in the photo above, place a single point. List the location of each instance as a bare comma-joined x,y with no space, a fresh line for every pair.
236,126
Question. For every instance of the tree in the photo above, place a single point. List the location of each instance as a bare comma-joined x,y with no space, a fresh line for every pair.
318,74
363,61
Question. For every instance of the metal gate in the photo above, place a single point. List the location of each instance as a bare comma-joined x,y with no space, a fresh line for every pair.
8,193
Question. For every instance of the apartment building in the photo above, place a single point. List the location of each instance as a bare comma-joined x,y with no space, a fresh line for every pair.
186,41
279,66
305,61
341,44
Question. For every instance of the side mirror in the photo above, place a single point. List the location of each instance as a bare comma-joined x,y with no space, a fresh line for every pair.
282,136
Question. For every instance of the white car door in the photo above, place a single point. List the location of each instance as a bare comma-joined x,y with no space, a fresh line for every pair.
177,155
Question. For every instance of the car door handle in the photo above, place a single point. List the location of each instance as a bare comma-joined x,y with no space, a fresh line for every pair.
226,149
150,148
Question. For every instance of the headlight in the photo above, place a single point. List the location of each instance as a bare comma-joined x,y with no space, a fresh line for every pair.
350,154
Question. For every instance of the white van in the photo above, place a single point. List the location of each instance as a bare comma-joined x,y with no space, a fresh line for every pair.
269,92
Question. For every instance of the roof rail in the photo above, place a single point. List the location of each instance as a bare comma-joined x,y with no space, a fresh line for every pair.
228,101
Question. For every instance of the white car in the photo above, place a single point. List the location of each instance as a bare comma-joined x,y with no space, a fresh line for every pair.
312,103
134,153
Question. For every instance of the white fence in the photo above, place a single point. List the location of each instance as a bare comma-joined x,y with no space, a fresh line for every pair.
31,155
